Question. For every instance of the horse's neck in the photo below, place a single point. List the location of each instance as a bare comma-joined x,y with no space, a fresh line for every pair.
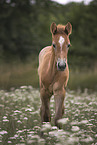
47,67
51,68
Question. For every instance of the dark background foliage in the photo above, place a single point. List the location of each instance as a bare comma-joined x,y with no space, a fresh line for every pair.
25,28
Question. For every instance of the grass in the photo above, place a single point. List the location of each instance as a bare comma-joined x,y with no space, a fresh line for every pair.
18,74
82,80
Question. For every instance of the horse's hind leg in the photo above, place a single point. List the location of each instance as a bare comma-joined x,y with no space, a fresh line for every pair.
45,107
59,105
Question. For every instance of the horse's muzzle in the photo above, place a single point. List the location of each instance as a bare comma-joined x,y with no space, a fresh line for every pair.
61,64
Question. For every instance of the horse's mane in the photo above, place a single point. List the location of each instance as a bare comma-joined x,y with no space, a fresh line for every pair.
60,29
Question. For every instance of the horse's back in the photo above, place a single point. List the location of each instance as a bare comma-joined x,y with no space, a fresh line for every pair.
43,52
42,55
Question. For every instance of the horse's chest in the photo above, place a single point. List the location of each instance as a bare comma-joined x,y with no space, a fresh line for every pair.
47,79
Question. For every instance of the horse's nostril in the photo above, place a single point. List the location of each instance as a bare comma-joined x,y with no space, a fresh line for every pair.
61,66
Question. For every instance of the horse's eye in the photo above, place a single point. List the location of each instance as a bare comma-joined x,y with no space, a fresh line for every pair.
68,45
54,45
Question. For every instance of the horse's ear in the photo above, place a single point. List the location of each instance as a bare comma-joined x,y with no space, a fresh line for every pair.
53,28
68,28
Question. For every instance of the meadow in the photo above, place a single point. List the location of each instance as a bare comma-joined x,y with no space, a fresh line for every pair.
20,119
24,31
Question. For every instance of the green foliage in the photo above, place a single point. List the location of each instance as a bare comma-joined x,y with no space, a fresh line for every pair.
25,28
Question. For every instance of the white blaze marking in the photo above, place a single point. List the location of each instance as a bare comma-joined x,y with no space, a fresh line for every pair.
61,41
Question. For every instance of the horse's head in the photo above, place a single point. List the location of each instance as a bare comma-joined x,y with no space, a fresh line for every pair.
61,43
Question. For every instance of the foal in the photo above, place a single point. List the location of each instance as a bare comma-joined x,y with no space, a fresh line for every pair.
53,71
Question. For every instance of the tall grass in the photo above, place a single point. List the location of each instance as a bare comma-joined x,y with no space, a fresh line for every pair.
18,74
15,75
83,79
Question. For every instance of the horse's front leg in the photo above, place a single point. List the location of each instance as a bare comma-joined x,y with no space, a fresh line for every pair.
45,106
59,96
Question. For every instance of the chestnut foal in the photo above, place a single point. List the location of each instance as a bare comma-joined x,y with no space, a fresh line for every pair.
53,71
